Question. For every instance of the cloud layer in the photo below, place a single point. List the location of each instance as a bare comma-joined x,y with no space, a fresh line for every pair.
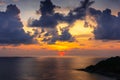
11,27
108,24
50,19
12,32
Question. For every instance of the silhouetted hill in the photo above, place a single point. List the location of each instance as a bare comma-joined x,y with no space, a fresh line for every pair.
109,67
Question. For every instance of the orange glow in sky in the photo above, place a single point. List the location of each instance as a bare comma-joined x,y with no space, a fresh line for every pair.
81,34
78,28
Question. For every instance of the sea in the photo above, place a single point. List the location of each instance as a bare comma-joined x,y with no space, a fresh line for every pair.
48,68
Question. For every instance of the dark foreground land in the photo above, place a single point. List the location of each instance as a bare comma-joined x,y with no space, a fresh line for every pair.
109,67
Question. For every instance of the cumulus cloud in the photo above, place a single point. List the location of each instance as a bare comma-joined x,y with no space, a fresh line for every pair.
11,27
51,35
107,28
108,25
50,19
79,12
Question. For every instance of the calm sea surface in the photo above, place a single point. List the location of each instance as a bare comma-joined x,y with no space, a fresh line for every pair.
47,68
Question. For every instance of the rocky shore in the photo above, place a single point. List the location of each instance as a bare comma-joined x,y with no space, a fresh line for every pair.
109,67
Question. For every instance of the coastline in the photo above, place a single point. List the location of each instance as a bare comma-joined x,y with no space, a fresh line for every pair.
109,68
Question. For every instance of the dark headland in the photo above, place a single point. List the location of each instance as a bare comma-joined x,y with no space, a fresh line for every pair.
109,67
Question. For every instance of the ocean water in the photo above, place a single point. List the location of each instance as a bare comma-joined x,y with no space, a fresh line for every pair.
48,68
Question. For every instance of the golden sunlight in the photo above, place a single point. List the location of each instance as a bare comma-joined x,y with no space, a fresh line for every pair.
28,29
78,28
63,46
60,26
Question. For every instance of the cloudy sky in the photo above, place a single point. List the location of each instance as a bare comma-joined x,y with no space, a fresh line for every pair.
46,27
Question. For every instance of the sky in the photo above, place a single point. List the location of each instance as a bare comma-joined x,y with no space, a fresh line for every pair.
47,27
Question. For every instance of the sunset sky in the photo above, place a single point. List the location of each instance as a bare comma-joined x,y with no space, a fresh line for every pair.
47,27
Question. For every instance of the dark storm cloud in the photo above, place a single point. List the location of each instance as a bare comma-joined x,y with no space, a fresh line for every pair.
49,19
108,24
11,27
65,36
47,7
79,12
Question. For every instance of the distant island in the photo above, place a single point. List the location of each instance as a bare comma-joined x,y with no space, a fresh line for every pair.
109,67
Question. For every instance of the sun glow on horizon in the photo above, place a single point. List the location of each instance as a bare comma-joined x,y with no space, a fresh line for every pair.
63,46
61,53
78,31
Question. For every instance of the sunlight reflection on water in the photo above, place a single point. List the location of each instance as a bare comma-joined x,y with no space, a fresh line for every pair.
47,68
